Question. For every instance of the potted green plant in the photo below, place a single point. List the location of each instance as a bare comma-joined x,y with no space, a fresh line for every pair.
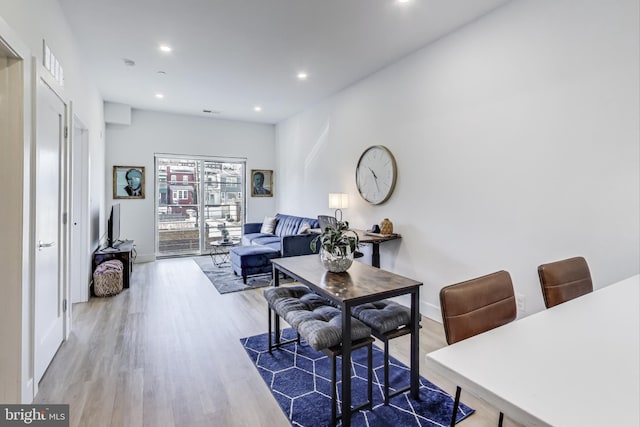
337,247
224,232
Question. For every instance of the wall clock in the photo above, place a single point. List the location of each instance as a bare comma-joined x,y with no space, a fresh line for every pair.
376,174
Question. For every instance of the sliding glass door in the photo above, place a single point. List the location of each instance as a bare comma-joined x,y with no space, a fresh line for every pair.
198,201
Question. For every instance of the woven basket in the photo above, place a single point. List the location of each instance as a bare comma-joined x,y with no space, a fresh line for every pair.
107,278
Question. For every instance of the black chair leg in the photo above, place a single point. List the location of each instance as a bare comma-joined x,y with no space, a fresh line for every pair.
276,325
333,354
270,330
456,403
334,394
500,419
274,329
386,372
370,374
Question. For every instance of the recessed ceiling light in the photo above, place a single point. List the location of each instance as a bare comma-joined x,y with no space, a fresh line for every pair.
165,48
162,73
159,95
257,108
402,1
302,75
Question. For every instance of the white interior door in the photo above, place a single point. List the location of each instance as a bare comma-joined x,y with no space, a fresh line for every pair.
49,316
79,212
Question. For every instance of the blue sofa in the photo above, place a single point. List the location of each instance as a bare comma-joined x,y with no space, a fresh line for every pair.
257,250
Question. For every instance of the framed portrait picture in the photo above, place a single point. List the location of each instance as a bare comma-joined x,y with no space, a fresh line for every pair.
128,182
261,183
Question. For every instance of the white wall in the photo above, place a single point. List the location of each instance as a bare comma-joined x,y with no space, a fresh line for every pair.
28,23
39,20
517,143
154,132
15,137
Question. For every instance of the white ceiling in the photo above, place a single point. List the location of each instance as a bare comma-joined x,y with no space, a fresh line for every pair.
231,55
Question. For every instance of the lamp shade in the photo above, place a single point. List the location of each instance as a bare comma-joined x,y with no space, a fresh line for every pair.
338,200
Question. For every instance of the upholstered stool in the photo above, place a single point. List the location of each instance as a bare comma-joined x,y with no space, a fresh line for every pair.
255,259
107,278
320,323
281,299
387,320
335,351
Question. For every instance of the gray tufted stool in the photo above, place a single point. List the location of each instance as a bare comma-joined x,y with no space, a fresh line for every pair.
387,320
320,323
281,300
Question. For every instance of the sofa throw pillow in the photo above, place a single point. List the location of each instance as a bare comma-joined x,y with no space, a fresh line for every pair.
268,225
304,228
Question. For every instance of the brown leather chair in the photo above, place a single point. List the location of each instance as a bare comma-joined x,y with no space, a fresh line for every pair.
475,306
564,280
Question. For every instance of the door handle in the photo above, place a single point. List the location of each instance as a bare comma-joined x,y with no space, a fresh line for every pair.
42,244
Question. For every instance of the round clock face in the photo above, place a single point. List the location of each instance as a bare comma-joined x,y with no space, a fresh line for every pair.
376,174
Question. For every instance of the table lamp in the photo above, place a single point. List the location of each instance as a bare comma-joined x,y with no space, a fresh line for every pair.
338,201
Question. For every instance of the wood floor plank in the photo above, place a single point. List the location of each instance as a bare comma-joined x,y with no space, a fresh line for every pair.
166,352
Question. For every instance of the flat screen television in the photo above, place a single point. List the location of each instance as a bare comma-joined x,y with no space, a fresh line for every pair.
113,227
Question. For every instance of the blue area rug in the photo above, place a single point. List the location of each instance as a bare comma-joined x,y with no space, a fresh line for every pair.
305,398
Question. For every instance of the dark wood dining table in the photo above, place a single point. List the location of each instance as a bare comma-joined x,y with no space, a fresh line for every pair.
359,285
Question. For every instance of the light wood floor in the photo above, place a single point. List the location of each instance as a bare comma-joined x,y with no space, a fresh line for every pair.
166,352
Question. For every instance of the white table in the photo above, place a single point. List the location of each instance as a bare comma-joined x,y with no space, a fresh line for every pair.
575,364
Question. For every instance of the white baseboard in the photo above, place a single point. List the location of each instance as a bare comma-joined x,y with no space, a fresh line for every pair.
426,309
28,393
145,258
431,311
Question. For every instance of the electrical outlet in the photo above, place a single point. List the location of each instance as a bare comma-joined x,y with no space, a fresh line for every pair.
521,303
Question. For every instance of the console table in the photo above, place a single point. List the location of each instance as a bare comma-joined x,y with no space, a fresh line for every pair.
375,239
123,253
372,238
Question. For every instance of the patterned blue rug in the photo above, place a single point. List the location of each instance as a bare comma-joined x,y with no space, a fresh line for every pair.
305,398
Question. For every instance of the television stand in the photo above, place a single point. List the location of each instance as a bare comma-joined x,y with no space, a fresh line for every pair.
123,252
